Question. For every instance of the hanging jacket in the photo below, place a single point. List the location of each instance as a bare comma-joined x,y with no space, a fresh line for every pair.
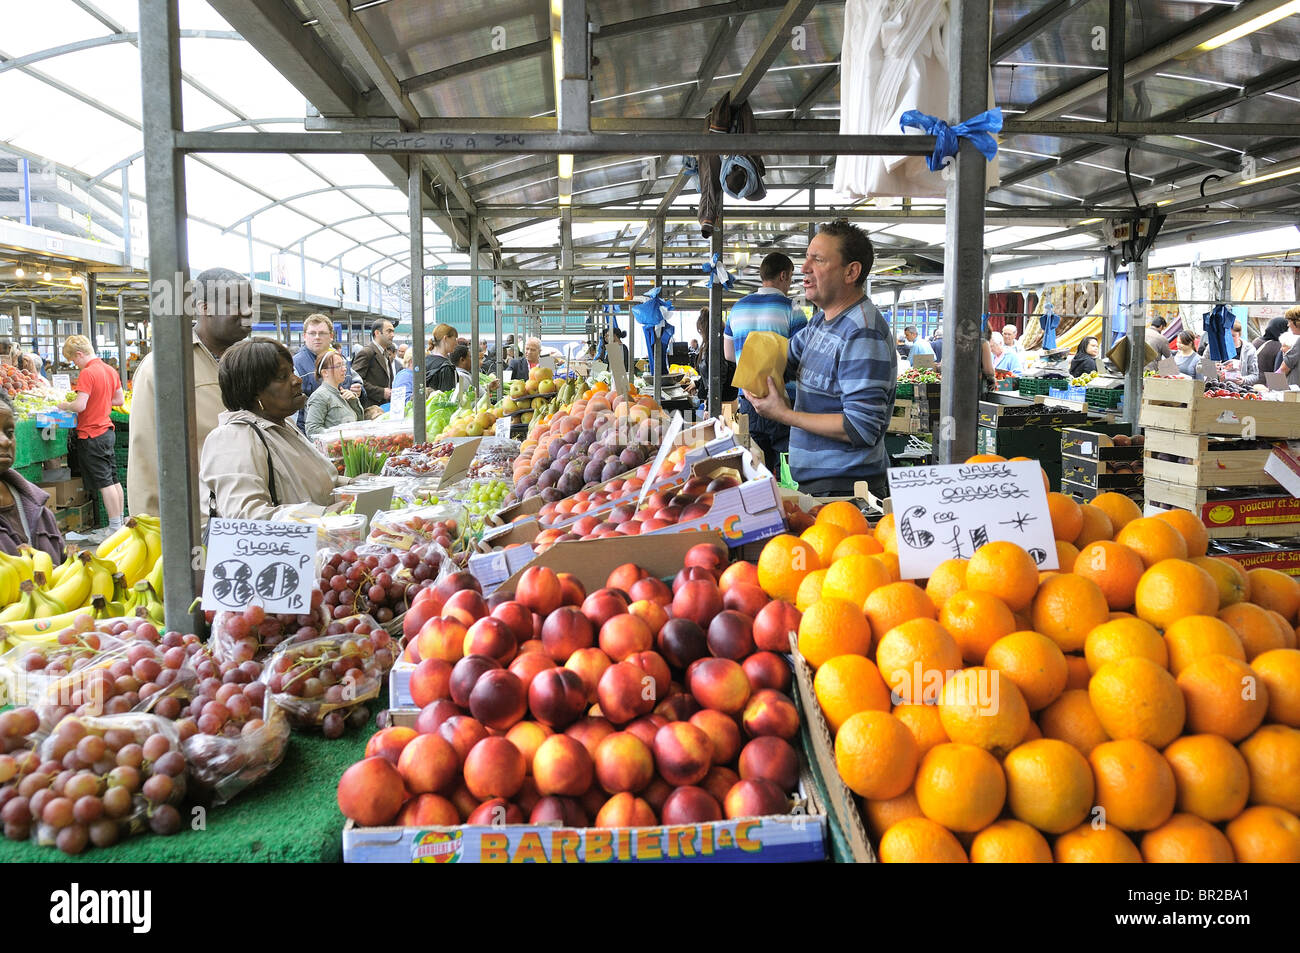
743,173
1050,321
1218,323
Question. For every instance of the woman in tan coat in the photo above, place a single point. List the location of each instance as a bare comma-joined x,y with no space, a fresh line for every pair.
256,464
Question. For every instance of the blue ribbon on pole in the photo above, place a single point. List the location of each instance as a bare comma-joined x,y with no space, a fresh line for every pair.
978,130
716,271
652,314
1051,321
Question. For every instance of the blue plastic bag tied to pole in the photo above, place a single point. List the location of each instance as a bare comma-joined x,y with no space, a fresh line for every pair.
978,130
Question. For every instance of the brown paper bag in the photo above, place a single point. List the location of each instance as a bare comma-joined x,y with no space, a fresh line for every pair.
764,356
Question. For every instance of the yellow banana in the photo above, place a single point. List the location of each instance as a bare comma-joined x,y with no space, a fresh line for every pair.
101,581
76,586
131,558
69,561
152,540
147,603
37,629
155,577
113,541
22,566
8,584
150,522
46,605
39,558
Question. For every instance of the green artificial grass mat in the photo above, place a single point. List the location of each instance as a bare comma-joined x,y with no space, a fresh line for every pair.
291,816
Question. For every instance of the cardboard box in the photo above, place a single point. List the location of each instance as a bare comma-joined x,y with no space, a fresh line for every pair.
66,493
1255,517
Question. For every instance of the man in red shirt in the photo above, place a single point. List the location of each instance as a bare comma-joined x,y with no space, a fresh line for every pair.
99,390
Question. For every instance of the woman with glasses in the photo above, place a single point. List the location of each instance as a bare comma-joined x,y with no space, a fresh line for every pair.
329,404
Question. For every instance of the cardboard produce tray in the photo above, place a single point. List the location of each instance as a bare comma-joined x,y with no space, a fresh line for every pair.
1229,514
1010,413
1181,405
1205,461
1102,474
1091,444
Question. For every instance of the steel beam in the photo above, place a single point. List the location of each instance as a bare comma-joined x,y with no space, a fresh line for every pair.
1137,338
121,341
714,343
1115,56
1031,26
573,108
724,35
818,90
1083,129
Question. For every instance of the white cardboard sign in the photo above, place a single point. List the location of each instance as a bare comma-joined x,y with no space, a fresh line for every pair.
947,512
62,383
259,562
397,406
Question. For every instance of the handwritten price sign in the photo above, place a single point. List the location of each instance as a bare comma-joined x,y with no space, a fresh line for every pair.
259,562
948,512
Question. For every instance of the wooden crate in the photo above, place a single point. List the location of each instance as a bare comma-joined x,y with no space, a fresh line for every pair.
903,421
1181,405
1096,442
1102,475
1225,515
1083,493
1209,461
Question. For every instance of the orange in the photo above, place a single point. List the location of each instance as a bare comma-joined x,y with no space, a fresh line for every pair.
1009,842
810,589
1066,554
846,685
891,605
1233,583
924,723
875,754
986,458
854,577
845,516
1124,638
1224,697
1174,588
1153,540
1136,698
1279,672
1067,517
1096,845
948,577
783,563
919,840
1079,674
1006,571
915,658
1120,508
882,815
1265,835
886,535
1211,776
823,538
1096,525
979,707
1273,756
1114,567
1067,608
961,787
833,627
1285,628
1194,636
1071,719
1254,627
976,620
1049,785
863,544
1186,839
890,562
1135,785
1034,663
1275,590
1190,528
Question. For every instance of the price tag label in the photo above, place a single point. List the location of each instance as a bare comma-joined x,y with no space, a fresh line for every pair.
397,409
370,501
1275,381
259,562
1167,367
501,429
62,383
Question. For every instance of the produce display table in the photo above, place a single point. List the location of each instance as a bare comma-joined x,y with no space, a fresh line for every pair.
31,449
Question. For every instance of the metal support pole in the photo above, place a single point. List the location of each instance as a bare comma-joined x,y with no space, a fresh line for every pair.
90,314
121,341
173,367
126,218
279,324
714,343
302,272
968,39
473,332
631,324
473,281
248,232
1108,309
1115,60
566,265
56,351
659,281
415,207
1137,336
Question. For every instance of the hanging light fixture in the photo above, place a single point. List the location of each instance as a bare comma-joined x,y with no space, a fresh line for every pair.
18,272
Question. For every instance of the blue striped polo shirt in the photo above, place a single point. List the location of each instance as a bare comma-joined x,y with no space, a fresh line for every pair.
764,310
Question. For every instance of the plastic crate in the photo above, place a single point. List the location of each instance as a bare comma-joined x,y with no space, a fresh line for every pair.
32,472
1035,386
32,448
904,391
1104,396
120,421
120,451
1068,393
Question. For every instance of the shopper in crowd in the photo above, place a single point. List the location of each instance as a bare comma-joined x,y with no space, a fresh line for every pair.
1156,340
256,464
1246,364
405,374
1290,362
99,390
1004,359
440,372
331,404
223,317
614,345
918,344
767,309
846,374
936,344
1011,338
486,362
1188,361
902,346
1085,357
1268,352
317,338
373,365
25,516
459,359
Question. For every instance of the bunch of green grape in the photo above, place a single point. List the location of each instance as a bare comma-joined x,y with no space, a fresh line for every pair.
486,497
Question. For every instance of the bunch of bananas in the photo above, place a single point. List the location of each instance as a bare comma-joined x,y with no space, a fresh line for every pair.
134,549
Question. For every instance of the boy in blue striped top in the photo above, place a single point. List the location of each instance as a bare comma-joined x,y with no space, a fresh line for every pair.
846,373
767,309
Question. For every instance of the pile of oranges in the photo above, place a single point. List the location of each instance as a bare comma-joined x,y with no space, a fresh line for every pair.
1140,703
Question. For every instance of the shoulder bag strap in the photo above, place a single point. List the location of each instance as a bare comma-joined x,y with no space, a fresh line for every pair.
270,469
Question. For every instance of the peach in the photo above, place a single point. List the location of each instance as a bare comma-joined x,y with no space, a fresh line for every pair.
742,597
683,753
434,714
590,731
653,664
767,670
623,763
771,758
557,697
388,744
681,642
428,764
697,600
652,614
602,605
690,805
708,556
518,617
692,574
494,768
565,811
769,712
624,576
412,653
755,797
656,793
625,692
466,803
646,727
493,638
739,573
370,792
528,736
719,683
731,635
442,639
565,631
539,589
562,766
593,799
430,681
466,607
572,591
528,665
455,583
527,796
723,732
428,810
678,706
532,645
651,589
625,635
463,732
774,624
719,781
499,598
496,812
465,673
625,810
498,699
590,663
426,606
